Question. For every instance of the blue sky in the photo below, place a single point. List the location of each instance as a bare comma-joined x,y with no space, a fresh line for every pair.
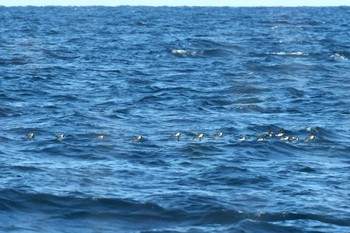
177,2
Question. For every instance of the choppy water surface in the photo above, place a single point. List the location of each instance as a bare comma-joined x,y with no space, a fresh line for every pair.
101,76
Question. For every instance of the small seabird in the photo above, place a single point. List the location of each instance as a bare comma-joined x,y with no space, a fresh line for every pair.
293,139
269,134
241,139
137,138
266,135
177,135
59,136
200,136
260,138
219,134
280,133
284,138
101,137
310,138
30,136
312,129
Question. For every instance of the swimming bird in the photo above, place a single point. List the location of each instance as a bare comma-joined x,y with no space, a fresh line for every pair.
101,137
269,134
310,138
137,138
284,138
219,134
241,139
200,136
312,129
266,135
30,136
177,135
293,139
280,133
59,136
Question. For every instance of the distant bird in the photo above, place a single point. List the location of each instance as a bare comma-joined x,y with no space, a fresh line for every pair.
137,138
176,135
293,139
241,139
312,129
219,134
284,138
310,138
280,133
200,136
265,135
101,137
30,136
59,136
269,134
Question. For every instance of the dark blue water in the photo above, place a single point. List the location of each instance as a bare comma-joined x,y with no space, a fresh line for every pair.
102,75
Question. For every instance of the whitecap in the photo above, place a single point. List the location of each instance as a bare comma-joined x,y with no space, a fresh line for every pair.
288,53
338,56
185,53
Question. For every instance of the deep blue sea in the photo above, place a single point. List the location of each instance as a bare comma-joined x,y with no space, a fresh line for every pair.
103,75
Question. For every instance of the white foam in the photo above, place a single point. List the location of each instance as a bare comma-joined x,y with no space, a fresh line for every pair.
338,56
185,53
288,53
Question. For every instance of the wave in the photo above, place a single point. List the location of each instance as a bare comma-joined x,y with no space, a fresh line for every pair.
203,48
121,72
209,212
292,54
22,168
339,57
185,53
200,149
196,53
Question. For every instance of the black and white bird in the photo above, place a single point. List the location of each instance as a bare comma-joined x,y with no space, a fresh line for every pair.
137,138
176,135
293,139
219,134
59,136
100,137
30,136
280,133
310,138
200,136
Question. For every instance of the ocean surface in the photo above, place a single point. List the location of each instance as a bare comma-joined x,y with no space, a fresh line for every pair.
103,75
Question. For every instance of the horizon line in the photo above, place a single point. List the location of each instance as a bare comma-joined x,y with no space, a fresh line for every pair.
127,5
